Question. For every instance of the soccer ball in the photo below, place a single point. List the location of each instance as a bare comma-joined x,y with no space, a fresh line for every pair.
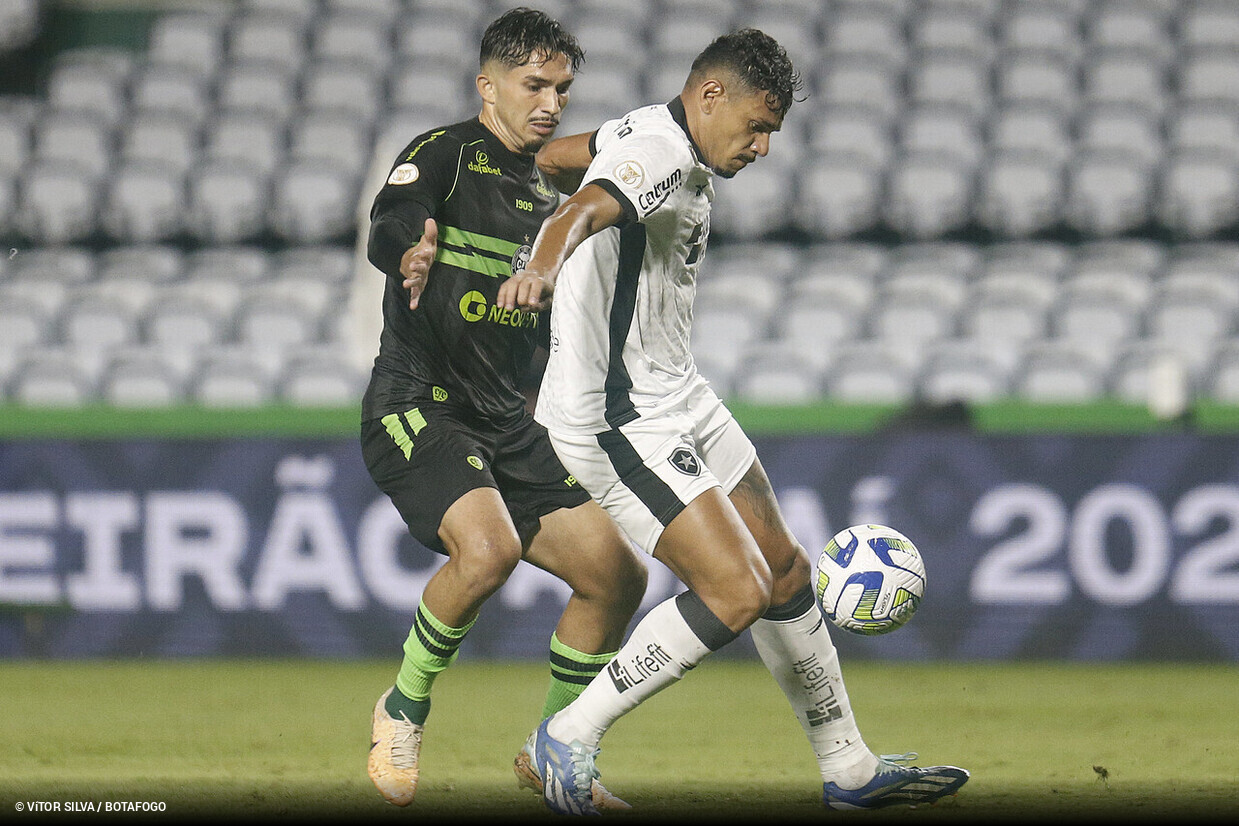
870,579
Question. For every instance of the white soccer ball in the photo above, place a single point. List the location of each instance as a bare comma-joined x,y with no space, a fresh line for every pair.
870,579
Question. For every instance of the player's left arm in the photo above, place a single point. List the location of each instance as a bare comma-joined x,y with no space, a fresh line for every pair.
588,212
564,160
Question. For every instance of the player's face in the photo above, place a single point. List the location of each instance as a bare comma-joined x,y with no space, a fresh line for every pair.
738,131
527,101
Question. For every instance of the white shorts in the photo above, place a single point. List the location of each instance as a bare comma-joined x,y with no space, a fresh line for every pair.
646,471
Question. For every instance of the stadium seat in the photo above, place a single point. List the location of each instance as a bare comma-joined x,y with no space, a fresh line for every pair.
81,86
437,37
276,39
869,371
227,202
252,137
1208,24
1108,193
231,381
1221,380
1199,193
1128,25
183,321
777,373
861,80
951,77
1134,77
1041,78
51,378
1019,193
721,333
1135,369
866,29
143,202
330,265
343,86
1052,27
140,380
77,137
421,86
24,322
944,129
350,36
158,137
1208,126
57,203
264,325
16,141
1056,371
313,203
1208,74
750,205
928,194
90,323
853,129
329,135
1120,127
172,89
141,263
320,382
839,197
962,370
193,40
227,264
257,86
1030,127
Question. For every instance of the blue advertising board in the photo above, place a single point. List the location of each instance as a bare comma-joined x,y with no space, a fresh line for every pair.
1044,546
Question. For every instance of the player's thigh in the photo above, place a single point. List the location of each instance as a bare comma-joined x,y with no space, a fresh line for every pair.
709,548
425,463
586,549
731,456
532,479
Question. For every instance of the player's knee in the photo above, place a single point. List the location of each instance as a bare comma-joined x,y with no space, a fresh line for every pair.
618,580
743,599
487,563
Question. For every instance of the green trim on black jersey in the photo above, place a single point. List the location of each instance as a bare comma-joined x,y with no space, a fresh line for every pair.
473,251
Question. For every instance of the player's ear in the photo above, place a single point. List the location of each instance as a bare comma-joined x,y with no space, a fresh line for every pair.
710,93
486,87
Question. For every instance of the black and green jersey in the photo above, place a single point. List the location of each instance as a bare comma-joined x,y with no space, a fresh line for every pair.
457,346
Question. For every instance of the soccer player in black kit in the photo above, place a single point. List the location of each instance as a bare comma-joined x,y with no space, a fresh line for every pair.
446,433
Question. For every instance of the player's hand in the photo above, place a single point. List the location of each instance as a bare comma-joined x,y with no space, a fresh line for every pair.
416,261
526,290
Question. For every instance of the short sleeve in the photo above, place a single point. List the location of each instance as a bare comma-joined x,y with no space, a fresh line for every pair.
423,172
640,170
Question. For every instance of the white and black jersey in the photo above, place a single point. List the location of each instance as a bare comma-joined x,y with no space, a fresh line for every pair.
623,300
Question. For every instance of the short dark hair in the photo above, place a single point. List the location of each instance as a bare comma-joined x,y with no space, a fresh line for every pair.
518,34
758,61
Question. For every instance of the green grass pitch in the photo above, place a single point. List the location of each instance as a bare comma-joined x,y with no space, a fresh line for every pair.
288,739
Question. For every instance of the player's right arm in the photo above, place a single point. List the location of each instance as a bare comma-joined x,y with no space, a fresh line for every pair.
588,212
403,234
564,160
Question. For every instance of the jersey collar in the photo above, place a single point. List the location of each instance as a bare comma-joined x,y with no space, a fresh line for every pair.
676,107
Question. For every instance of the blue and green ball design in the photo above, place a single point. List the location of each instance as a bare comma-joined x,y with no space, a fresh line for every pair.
870,579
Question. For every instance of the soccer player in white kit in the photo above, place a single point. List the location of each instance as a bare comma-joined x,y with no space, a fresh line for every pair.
641,430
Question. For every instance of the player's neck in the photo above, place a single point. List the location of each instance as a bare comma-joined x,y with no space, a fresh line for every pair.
505,136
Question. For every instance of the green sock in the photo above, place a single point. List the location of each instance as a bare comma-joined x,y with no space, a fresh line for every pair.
571,671
430,648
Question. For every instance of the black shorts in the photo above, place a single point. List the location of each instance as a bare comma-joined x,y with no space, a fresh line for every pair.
428,457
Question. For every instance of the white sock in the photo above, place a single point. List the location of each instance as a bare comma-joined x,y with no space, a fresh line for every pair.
670,640
795,645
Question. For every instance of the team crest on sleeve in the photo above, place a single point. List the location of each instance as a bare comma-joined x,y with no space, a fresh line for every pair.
405,173
685,461
630,173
